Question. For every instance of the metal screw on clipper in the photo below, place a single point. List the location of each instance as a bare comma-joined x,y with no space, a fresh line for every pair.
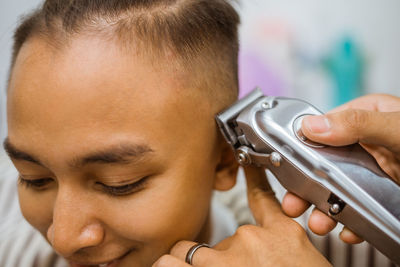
335,209
243,158
265,105
275,159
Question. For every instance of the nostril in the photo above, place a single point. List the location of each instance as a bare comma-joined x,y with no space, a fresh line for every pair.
67,239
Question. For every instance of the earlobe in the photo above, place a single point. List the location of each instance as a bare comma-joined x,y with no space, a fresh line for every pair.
226,170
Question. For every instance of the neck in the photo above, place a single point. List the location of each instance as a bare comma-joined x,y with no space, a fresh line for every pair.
205,233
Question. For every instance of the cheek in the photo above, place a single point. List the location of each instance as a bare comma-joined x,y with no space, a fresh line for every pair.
37,208
165,213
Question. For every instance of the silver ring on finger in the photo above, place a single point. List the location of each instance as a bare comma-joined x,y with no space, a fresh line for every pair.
192,250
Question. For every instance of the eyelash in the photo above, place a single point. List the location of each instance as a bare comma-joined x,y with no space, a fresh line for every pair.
123,190
37,184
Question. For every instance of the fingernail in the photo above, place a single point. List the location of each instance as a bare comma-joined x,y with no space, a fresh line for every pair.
345,233
349,237
317,124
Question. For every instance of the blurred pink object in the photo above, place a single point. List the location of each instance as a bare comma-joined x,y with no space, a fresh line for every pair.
254,72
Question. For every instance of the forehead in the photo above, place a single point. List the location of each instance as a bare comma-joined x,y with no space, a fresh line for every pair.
91,88
88,68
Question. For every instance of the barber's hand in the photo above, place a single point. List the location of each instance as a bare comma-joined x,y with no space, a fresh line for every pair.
277,240
374,122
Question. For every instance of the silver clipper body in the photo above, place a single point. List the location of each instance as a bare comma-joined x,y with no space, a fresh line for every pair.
344,182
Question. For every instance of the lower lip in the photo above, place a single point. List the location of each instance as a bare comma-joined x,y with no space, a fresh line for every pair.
111,264
114,263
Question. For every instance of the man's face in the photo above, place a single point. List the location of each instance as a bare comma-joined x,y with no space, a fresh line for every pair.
116,158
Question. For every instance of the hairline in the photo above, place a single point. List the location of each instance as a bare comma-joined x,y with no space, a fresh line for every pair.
195,66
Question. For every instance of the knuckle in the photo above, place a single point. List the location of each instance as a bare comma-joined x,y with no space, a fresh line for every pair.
249,236
164,261
355,119
178,247
247,231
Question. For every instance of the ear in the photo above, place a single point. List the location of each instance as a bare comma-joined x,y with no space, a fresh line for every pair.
226,169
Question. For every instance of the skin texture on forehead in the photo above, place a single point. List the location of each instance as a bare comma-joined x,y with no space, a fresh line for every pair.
90,96
114,98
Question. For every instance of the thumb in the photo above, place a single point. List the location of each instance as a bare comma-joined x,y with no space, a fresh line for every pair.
352,126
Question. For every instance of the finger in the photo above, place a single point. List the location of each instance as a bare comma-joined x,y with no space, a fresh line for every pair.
265,207
202,257
293,205
225,244
387,160
373,102
349,237
320,223
168,260
353,126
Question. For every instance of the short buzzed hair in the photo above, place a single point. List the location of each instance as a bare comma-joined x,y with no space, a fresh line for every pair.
201,34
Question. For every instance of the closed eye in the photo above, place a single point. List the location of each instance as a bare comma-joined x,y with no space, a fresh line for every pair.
37,184
124,189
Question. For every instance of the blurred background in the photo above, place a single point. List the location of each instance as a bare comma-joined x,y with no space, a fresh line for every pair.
326,52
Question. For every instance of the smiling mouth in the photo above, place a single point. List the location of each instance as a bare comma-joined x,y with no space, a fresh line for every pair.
112,263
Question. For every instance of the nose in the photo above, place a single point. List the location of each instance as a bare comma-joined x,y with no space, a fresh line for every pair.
74,225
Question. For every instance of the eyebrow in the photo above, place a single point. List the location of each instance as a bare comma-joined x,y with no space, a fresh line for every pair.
15,153
123,153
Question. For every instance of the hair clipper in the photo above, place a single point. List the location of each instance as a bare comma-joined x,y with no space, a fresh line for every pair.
344,182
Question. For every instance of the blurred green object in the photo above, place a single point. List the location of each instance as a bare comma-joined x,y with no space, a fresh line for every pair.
346,67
